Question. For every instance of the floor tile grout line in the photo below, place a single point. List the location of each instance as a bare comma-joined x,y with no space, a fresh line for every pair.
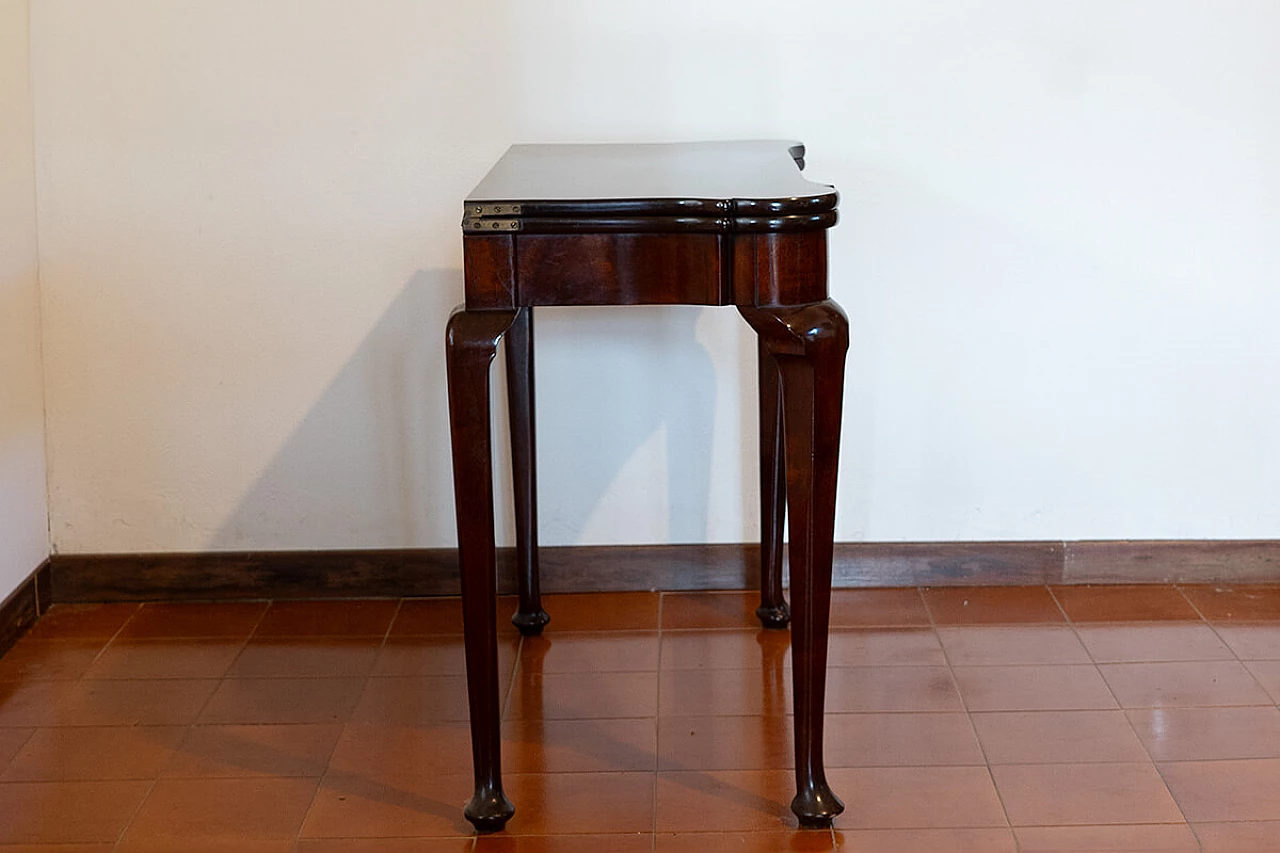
1191,827
657,731
129,822
315,795
923,600
1125,711
1213,626
111,640
134,815
261,618
395,614
190,727
657,720
1172,795
1129,722
187,730
1066,617
1182,592
328,769
244,643
1013,623
324,773
1199,617
516,669
31,732
968,715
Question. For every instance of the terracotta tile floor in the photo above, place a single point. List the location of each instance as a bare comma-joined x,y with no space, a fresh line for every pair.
1131,718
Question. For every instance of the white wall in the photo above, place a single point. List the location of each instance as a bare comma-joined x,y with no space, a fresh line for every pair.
24,521
1058,249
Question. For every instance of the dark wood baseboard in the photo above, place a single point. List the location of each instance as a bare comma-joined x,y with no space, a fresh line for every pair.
434,571
391,573
1179,560
24,606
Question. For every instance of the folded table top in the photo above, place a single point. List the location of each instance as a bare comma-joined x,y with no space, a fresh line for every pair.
748,186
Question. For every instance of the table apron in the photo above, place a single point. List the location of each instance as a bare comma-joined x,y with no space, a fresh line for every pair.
515,270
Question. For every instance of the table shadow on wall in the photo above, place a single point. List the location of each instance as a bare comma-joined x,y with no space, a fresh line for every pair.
368,465
611,384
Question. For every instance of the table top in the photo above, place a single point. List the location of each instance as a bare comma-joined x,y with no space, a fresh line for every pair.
751,185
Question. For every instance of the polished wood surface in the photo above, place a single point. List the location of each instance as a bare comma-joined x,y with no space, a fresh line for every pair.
619,269
684,178
808,344
773,610
530,618
642,268
772,270
489,268
729,223
471,343
706,187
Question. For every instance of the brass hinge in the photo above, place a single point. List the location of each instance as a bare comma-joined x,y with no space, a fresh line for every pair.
484,226
474,210
480,218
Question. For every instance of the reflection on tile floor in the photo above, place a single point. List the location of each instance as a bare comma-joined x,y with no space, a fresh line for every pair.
1123,718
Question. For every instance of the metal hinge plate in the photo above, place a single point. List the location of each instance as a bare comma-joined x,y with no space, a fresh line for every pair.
475,210
486,226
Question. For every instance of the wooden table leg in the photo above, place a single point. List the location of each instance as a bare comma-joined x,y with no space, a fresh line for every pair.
809,343
773,610
471,342
530,618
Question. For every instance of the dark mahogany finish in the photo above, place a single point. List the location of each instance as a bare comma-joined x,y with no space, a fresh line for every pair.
773,610
530,618
618,269
489,267
729,223
808,344
471,342
780,269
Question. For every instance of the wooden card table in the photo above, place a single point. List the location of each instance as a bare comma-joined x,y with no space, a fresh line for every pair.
721,223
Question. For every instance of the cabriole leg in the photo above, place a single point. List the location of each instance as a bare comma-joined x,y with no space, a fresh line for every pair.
809,343
471,342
